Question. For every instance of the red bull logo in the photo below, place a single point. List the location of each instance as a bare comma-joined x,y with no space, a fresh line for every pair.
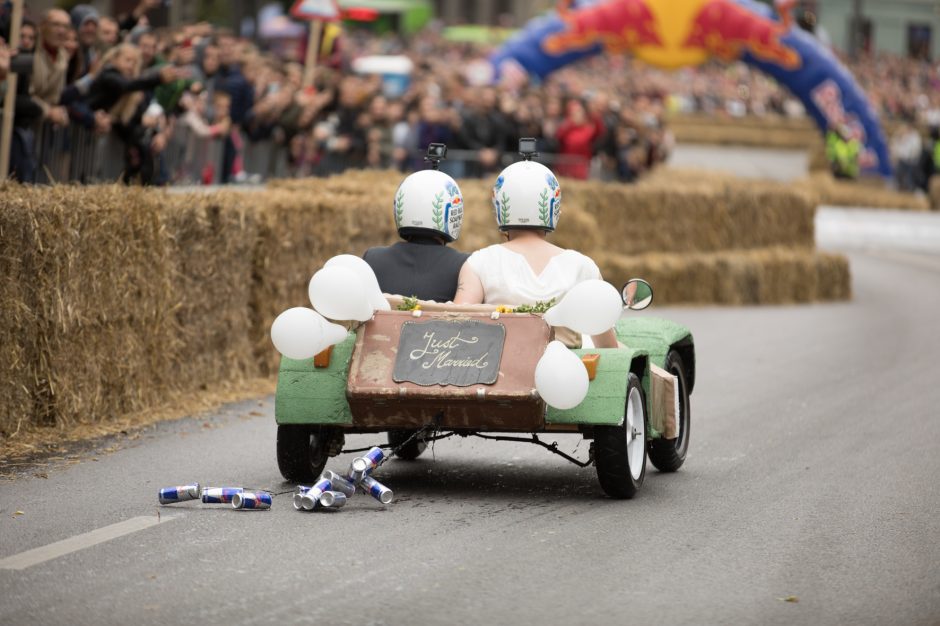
727,30
673,33
618,26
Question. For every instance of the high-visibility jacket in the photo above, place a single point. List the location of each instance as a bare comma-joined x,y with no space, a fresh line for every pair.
843,155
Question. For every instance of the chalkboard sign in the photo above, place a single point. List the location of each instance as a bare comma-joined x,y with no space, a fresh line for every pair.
460,353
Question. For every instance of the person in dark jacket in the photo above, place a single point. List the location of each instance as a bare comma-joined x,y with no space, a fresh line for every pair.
119,90
85,20
428,211
232,81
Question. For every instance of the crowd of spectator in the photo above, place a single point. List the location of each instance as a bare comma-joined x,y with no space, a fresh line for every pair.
154,100
138,91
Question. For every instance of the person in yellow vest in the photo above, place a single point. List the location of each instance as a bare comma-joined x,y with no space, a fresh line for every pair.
933,144
843,151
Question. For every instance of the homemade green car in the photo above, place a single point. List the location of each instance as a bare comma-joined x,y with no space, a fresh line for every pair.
416,374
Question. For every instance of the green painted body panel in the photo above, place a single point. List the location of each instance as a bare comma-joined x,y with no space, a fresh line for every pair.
655,336
652,335
312,395
309,395
606,399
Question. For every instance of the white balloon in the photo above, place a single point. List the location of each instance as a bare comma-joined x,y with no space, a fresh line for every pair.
364,271
560,377
297,333
590,307
339,294
333,333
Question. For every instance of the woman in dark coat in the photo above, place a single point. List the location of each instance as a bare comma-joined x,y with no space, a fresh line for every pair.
119,90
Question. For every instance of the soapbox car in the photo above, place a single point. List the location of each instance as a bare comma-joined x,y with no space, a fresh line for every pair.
419,374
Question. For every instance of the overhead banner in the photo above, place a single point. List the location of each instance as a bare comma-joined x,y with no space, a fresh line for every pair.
677,33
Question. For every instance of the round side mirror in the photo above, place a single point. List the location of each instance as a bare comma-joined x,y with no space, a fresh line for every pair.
637,294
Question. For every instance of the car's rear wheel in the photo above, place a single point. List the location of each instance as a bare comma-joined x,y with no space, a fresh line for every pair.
620,451
412,450
302,451
668,455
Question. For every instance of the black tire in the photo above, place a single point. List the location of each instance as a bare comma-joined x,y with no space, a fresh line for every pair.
411,451
301,451
668,455
610,449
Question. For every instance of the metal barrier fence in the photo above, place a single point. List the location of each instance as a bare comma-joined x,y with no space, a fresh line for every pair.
65,154
79,155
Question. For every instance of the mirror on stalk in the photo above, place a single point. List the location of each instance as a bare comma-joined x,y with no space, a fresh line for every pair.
637,294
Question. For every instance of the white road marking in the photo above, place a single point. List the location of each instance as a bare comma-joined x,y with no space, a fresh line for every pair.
80,542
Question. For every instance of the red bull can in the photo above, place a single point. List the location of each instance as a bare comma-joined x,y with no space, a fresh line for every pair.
219,495
311,497
357,469
251,500
169,495
332,499
374,457
339,483
376,489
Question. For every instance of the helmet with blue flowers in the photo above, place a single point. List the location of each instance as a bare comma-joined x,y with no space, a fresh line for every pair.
428,202
527,195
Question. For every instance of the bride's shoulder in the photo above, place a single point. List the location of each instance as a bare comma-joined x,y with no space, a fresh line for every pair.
581,260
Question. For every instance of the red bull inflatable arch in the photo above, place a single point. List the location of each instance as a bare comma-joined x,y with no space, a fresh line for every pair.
678,33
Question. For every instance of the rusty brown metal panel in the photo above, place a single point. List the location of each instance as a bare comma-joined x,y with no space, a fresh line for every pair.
509,404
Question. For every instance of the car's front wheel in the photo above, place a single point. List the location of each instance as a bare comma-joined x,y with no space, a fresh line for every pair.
620,451
302,451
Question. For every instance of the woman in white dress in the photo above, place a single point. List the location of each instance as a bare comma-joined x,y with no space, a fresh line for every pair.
526,268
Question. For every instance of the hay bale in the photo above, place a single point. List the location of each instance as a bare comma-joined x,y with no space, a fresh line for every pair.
834,279
210,243
774,275
762,132
298,232
701,212
96,281
934,193
116,300
863,193
17,316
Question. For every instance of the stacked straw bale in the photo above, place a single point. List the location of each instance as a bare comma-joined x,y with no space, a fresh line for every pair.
775,275
863,193
95,297
300,230
210,242
760,132
115,300
934,193
18,319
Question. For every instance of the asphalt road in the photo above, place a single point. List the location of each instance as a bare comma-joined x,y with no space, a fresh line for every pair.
812,476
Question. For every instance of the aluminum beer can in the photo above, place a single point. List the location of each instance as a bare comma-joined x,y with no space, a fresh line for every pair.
374,457
332,499
169,495
219,495
357,469
310,498
340,483
251,500
377,490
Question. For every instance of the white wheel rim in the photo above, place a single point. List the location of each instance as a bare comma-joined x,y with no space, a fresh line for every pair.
636,433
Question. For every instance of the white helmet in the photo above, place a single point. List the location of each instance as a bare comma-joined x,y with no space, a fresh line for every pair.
428,202
527,195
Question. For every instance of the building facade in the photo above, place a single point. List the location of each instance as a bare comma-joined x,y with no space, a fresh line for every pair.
902,27
506,13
